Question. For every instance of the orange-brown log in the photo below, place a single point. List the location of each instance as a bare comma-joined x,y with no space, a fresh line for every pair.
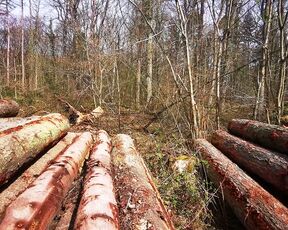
270,166
98,207
8,108
140,204
26,178
36,207
270,136
254,206
23,141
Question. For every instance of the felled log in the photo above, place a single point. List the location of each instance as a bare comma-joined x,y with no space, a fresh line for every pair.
22,142
140,202
98,206
76,117
22,182
254,206
8,108
270,136
36,207
64,218
270,166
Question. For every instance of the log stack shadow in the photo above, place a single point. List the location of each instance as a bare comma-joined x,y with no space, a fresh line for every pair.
257,150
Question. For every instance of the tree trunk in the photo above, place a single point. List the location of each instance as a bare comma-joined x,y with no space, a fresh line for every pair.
282,19
26,178
8,108
98,206
270,166
260,105
22,143
22,44
270,136
254,206
138,83
39,203
140,204
8,45
149,79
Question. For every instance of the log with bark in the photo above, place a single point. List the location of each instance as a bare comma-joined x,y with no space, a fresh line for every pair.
22,142
140,204
270,136
254,206
270,166
36,207
29,175
8,108
98,207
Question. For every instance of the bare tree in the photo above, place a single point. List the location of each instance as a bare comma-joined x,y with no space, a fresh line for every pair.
260,105
282,19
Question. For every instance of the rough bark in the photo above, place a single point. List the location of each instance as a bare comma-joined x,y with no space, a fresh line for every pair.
140,204
8,123
8,108
36,207
254,206
98,207
269,136
270,166
22,182
65,217
23,142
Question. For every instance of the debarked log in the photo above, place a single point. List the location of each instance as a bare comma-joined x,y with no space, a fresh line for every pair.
8,108
29,175
254,206
140,204
36,207
270,166
98,207
22,142
270,136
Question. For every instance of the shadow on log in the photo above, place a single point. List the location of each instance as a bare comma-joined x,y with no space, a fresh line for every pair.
22,142
98,208
36,207
140,204
270,136
8,108
254,206
270,166
11,193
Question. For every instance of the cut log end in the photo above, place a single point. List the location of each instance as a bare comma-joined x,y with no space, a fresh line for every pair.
8,108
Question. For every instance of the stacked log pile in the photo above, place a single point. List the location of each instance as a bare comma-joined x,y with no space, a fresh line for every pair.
253,205
42,163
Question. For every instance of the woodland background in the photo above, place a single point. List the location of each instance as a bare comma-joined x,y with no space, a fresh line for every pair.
197,63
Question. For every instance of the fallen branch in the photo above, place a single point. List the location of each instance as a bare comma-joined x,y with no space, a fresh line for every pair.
76,117
254,206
